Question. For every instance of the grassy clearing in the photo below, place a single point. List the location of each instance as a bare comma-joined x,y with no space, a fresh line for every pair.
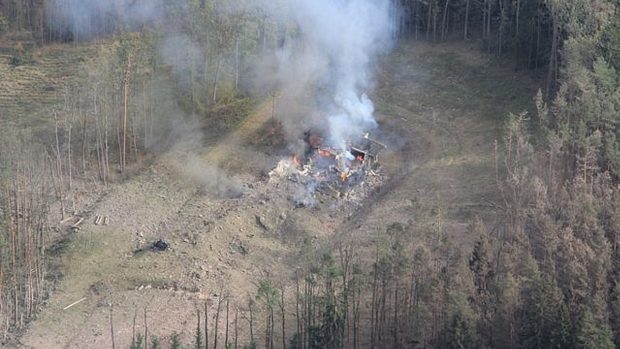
453,103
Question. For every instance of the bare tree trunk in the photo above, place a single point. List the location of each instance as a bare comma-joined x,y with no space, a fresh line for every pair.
466,27
84,122
217,320
299,334
59,170
112,325
396,323
216,79
356,313
444,21
69,127
271,330
267,333
206,326
417,19
488,35
133,332
227,322
198,329
283,317
146,331
373,307
517,15
134,137
435,10
502,22
251,321
125,111
428,20
106,153
145,121
2,310
15,249
237,63
537,50
552,56
236,327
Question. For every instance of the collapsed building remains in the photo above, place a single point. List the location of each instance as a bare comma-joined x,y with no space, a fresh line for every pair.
323,171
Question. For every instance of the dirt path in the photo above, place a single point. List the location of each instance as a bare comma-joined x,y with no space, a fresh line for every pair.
443,111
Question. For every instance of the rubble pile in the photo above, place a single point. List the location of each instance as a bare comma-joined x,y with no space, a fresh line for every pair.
324,173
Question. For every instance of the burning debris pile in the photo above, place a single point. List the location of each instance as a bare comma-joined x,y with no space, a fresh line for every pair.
323,171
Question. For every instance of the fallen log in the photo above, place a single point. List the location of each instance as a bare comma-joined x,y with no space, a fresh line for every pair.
66,220
76,224
74,303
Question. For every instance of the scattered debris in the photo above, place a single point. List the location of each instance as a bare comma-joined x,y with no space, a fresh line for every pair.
76,225
349,172
160,245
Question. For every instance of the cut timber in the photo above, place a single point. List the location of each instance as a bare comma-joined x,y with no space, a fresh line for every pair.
102,220
66,220
74,303
78,223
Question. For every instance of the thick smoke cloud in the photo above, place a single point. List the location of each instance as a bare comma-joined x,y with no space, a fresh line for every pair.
338,43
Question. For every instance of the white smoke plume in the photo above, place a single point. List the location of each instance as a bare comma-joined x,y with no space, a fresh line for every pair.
339,41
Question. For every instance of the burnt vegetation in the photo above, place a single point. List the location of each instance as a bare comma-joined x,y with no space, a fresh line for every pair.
544,274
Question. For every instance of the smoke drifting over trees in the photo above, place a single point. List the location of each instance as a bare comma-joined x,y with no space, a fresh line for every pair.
324,60
86,19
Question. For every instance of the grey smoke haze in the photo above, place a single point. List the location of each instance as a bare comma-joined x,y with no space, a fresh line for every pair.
208,177
323,69
180,52
86,18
